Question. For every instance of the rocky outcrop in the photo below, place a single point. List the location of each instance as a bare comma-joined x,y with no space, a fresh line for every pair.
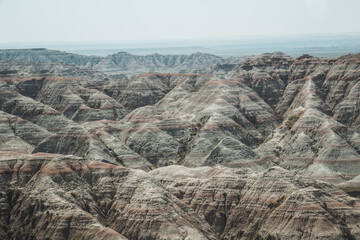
317,136
76,146
44,196
19,135
273,204
299,113
50,196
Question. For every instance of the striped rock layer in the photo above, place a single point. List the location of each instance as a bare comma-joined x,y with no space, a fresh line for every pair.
260,133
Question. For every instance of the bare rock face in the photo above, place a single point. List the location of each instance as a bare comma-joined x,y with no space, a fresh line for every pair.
351,186
273,204
19,135
267,136
54,196
46,196
317,137
274,110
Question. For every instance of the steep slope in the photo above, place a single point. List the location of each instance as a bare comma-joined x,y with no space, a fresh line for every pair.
258,134
44,196
58,106
301,114
192,119
316,100
19,135
273,204
48,196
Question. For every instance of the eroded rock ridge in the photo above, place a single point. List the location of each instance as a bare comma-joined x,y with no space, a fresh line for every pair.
255,148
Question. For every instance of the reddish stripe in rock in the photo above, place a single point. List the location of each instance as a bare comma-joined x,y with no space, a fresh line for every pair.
57,168
54,170
305,159
93,165
344,161
11,120
50,112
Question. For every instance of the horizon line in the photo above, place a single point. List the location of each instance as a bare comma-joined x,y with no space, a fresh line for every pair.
174,40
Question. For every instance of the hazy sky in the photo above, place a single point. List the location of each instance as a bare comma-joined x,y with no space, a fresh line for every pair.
98,20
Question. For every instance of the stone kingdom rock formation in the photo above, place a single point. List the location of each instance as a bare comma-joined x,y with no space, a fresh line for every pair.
264,147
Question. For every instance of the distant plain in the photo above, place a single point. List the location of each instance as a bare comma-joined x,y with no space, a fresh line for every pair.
320,45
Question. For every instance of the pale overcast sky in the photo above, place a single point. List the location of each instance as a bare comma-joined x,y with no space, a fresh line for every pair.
99,20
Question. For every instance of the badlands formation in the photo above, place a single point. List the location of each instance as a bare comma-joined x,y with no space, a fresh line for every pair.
179,146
